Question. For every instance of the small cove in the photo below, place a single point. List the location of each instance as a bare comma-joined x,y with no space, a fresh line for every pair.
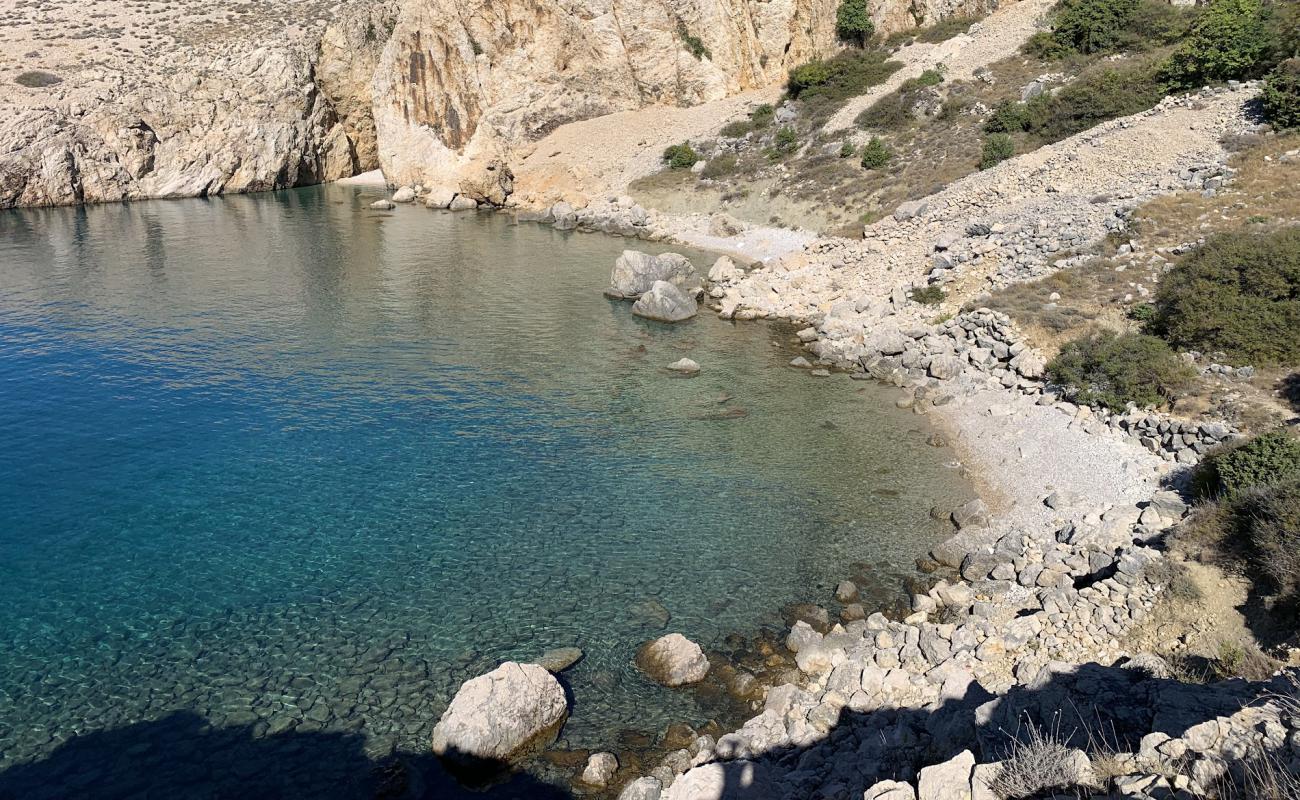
286,464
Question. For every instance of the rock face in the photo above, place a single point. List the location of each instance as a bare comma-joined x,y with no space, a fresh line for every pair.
227,117
462,86
665,303
673,660
498,717
636,272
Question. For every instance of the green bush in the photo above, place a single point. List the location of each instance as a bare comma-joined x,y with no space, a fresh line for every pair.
998,147
944,30
1266,460
931,77
853,21
762,116
1282,95
847,150
1238,294
848,74
786,141
1043,45
1231,39
1112,371
737,129
36,79
680,156
894,110
1093,26
720,166
928,295
875,155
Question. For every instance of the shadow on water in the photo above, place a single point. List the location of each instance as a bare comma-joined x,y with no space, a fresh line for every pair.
182,756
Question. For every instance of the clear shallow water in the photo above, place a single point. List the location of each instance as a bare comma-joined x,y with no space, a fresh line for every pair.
282,465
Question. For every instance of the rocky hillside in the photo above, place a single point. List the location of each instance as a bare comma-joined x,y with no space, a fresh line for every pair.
168,99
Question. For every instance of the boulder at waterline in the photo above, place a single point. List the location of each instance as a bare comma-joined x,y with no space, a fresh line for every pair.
600,768
673,660
439,198
635,273
463,203
383,205
497,718
559,659
665,303
404,195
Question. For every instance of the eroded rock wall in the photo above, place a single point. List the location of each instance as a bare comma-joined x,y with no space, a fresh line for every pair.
462,86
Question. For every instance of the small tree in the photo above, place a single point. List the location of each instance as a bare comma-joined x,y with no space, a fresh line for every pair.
875,155
853,22
1282,95
998,147
1229,40
680,156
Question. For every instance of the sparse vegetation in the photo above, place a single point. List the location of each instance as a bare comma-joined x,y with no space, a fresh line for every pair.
1237,294
876,154
719,166
1038,764
1109,370
1098,95
680,156
693,44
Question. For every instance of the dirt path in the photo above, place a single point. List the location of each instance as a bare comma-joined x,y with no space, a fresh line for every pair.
998,36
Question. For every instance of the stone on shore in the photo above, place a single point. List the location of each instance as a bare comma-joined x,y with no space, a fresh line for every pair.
600,768
642,789
404,194
635,273
725,226
673,660
560,658
439,198
383,205
685,366
949,780
890,790
494,719
728,780
665,303
463,203
971,515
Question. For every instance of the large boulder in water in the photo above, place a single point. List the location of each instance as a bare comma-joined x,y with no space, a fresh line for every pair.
494,719
635,273
673,660
665,303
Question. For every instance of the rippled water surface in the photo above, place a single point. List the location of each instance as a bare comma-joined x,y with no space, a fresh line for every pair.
279,472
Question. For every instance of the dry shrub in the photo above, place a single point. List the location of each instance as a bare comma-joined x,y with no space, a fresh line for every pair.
1040,762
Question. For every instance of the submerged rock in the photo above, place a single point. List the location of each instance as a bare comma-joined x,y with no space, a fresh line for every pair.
383,205
560,658
685,366
673,660
635,273
497,718
665,303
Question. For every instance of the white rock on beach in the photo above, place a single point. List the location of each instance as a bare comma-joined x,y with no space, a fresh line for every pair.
511,711
665,303
439,198
673,660
685,366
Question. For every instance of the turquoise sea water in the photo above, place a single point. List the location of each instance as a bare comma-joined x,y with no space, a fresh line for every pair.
279,472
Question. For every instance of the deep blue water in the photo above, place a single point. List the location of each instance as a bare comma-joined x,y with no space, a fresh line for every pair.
284,465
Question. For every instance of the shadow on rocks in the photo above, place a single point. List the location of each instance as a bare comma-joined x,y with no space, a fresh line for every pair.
183,756
1096,708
